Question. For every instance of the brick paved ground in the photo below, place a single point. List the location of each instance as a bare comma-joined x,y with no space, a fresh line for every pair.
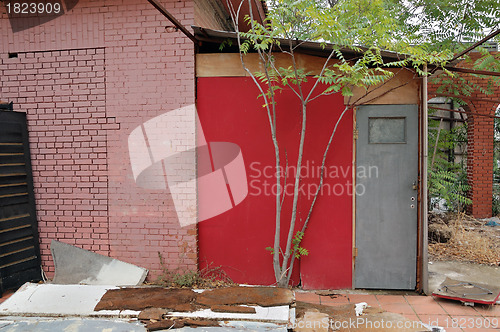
451,315
447,314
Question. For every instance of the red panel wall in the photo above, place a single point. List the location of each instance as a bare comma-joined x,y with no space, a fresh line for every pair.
229,111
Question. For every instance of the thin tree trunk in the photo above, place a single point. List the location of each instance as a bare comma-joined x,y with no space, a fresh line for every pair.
321,179
284,268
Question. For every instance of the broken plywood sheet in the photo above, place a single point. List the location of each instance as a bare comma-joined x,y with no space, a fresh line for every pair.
468,292
141,298
232,303
78,266
261,296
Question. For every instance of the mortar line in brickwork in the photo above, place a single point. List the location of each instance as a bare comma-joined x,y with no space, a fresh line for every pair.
63,50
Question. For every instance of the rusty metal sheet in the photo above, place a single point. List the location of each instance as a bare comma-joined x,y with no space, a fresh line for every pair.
468,291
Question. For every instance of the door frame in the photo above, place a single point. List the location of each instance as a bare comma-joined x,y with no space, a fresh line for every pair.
422,240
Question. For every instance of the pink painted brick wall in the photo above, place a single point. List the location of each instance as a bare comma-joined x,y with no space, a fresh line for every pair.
86,79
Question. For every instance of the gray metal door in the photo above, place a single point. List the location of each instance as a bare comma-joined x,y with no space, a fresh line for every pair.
386,201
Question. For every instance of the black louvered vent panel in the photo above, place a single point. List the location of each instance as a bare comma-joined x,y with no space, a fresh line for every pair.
19,248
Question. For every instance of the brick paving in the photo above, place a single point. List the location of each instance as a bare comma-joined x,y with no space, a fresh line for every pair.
451,315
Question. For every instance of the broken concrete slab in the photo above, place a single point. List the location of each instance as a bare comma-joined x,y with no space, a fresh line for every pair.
231,326
51,300
200,322
78,266
168,324
276,314
475,273
468,292
70,324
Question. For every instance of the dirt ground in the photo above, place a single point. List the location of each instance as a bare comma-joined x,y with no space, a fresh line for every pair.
458,237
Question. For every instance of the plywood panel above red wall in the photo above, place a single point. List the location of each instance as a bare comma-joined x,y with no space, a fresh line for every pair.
229,111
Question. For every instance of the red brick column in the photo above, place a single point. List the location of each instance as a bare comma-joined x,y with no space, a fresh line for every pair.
480,159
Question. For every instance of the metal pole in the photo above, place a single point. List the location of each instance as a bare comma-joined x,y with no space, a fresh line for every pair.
172,19
425,154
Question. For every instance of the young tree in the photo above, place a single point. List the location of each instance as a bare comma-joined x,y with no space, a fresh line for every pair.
367,27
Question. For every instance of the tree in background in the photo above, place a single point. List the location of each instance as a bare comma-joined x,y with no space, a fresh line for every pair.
418,30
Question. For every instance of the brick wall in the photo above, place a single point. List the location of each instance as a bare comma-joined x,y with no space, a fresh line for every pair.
87,79
63,93
480,159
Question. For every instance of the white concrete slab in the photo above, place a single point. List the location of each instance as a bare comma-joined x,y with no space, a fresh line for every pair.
292,317
78,266
278,314
56,300
51,300
233,326
38,324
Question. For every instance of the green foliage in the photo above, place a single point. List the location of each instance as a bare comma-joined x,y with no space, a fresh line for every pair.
451,187
495,200
451,23
297,250
447,179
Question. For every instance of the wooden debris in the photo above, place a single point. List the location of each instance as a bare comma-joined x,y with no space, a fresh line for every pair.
233,308
152,313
